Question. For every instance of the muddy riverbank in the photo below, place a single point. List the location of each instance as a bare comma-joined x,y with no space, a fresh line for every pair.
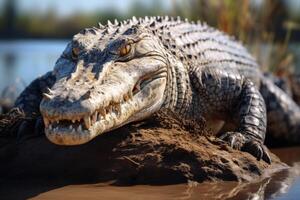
161,150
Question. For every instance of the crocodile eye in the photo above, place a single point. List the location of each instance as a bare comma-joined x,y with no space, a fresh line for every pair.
75,52
125,50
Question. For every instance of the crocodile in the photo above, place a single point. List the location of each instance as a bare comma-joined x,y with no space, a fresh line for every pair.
126,71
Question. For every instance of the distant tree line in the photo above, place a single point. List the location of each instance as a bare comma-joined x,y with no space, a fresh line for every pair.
239,18
51,25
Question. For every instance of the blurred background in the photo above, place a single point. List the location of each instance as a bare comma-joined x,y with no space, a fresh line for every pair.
33,33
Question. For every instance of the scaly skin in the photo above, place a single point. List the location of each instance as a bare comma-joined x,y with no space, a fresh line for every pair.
124,72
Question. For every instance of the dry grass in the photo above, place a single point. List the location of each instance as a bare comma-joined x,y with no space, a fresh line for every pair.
265,29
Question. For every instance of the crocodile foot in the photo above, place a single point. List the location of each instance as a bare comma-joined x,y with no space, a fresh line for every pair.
245,143
34,124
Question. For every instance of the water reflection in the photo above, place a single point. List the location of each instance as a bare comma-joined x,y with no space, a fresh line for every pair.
282,185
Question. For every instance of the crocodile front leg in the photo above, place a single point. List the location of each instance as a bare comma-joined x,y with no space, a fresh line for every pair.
250,117
231,97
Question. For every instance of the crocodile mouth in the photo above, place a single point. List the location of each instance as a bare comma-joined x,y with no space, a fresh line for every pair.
82,128
81,124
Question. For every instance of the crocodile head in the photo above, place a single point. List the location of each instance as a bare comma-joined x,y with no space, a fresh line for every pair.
105,78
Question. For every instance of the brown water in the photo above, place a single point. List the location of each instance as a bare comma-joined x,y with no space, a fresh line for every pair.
282,185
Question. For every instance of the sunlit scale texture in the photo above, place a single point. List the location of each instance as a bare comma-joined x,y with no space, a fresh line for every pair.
125,71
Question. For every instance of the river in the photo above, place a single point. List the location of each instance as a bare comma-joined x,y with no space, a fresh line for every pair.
25,60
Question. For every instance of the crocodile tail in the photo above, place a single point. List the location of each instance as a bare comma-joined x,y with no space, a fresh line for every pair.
283,114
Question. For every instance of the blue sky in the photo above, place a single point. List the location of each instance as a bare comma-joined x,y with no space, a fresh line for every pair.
67,7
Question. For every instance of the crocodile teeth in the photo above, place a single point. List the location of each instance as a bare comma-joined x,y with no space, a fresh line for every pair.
126,97
99,116
80,128
102,112
87,122
130,94
94,117
137,86
47,96
109,109
49,91
118,108
46,122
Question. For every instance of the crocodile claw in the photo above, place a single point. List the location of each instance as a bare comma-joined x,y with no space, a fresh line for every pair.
234,139
240,142
257,149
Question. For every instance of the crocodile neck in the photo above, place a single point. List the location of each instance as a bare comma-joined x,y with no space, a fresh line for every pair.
178,92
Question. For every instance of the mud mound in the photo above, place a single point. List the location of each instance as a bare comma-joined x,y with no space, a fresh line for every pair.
160,150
